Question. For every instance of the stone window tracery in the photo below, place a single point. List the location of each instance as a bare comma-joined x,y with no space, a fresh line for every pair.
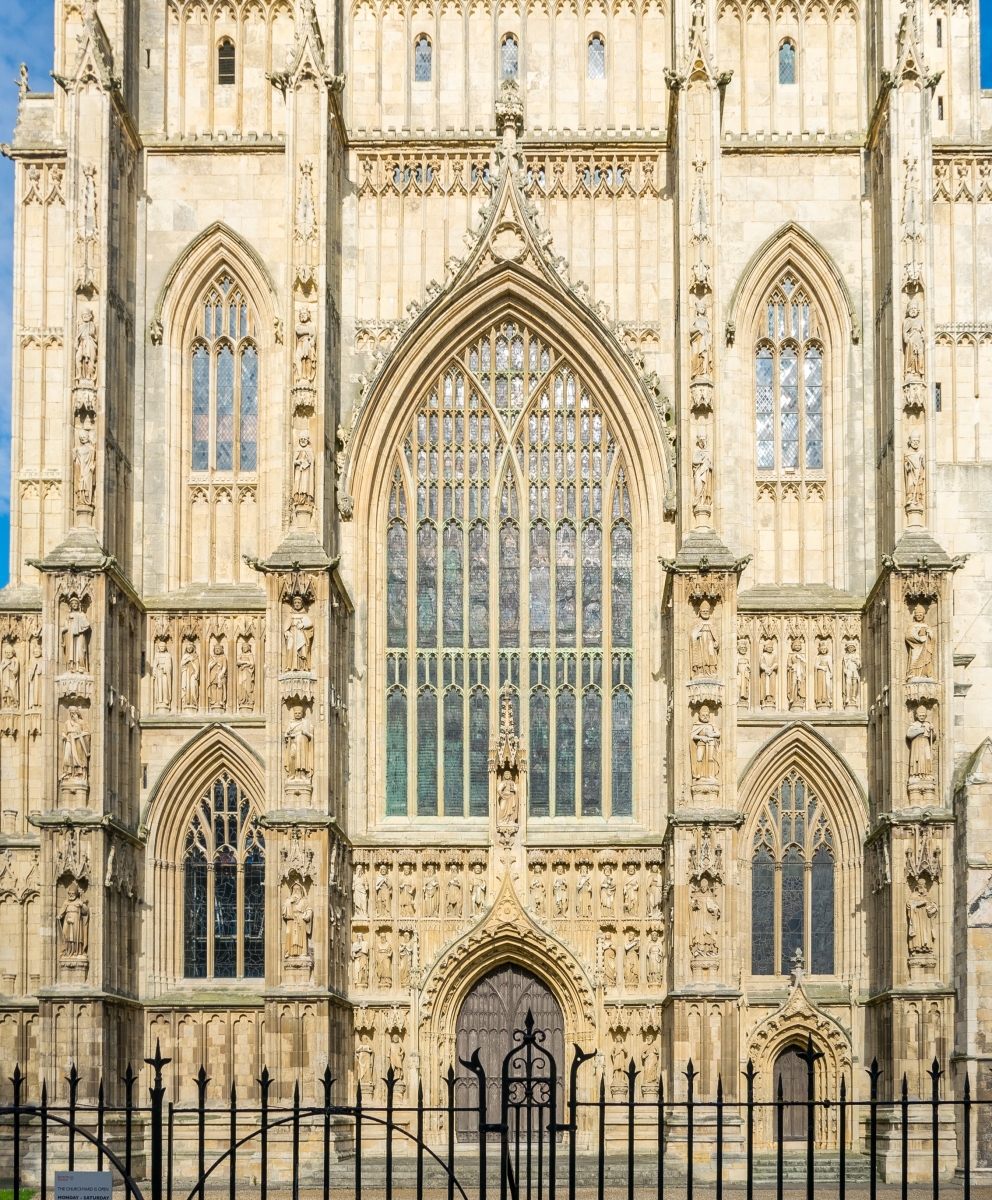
792,882
596,57
224,887
422,59
509,564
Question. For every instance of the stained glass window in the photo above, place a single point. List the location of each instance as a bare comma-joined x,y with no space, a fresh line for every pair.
597,57
422,60
224,887
224,384
792,882
519,501
789,385
508,57
787,63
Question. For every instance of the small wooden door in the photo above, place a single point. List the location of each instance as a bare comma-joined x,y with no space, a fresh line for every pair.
492,1010
791,1069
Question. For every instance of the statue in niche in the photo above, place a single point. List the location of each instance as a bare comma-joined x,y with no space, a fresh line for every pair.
705,747
299,745
914,464
655,958
298,636
162,676
477,889
189,676
607,891
851,672
559,889
743,672
217,676
618,1060
297,916
823,675
921,736
650,1062
656,893
36,672
397,1055
76,638
702,477
430,892
74,922
86,348
453,893
408,890
632,892
405,957
84,470
704,915
583,891
245,663
538,892
920,641
795,674
506,800
609,952
360,891
384,961
360,959
365,1057
768,672
921,913
10,677
383,892
303,472
632,959
700,341
76,745
305,356
704,647
914,341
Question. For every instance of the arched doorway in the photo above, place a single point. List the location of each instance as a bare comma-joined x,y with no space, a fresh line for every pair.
792,1071
492,1010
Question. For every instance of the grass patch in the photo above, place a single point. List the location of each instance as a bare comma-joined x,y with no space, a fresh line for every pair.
22,1193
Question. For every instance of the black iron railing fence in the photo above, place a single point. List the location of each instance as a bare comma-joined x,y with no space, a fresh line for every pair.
531,1151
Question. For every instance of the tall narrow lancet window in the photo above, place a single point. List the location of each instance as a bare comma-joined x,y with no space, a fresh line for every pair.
787,62
225,62
792,883
596,57
508,57
224,887
422,59
509,513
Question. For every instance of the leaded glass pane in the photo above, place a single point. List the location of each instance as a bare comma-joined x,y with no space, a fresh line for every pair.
396,798
454,598
565,753
509,584
508,58
787,63
224,448
623,754
763,914
422,61
540,585
813,371
592,584
248,436
565,584
592,753
396,575
540,753
793,907
623,585
822,913
597,57
765,410
789,402
201,408
195,917
478,723
454,753
427,753
254,939
478,585
226,917
426,584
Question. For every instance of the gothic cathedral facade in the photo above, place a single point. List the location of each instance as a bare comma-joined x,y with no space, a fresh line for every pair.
501,514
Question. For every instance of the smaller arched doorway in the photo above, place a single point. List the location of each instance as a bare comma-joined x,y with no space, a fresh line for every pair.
791,1069
495,1007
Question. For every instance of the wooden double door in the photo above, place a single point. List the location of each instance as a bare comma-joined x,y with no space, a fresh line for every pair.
493,1009
791,1069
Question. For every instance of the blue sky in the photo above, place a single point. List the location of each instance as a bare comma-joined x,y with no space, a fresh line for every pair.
27,29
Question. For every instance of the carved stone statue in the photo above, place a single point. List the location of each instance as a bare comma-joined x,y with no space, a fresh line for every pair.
607,891
298,637
506,800
305,357
76,639
384,961
795,672
559,889
383,892
360,891
921,912
477,889
246,673
655,958
920,642
743,672
162,676
914,462
704,645
74,921
76,744
656,894
360,960
36,672
700,341
632,892
10,678
298,739
430,893
538,892
632,959
704,915
921,736
583,891
365,1060
702,477
397,1055
407,890
453,894
609,960
189,676
705,747
217,677
84,471
303,472
405,957
914,341
86,348
297,916
618,1062
650,1062
851,669
768,672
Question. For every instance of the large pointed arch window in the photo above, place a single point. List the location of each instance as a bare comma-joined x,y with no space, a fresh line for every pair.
224,887
509,548
792,882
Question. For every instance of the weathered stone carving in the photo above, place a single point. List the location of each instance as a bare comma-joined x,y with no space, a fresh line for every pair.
618,1066
303,474
559,889
583,890
36,671
76,638
383,892
914,467
365,1061
384,960
86,348
405,957
702,477
608,958
823,675
631,958
297,915
407,890
914,341
430,893
453,893
298,635
700,341
189,675
655,958
76,747
743,671
305,355
768,672
74,923
298,739
10,677
650,1065
360,960
84,472
795,671
632,891
704,644
245,663
217,675
851,667
477,888
538,891
607,891
922,738
705,760
360,891
162,669
920,644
